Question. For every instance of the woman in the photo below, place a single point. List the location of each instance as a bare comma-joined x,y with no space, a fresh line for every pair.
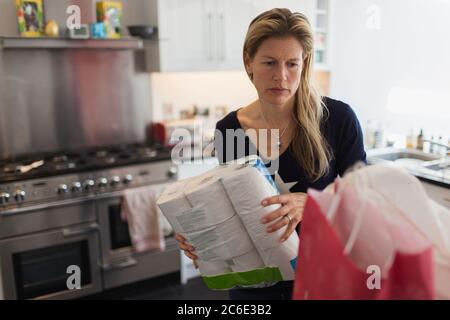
317,138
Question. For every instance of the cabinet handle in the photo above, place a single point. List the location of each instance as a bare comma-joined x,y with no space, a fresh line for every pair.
129,262
209,40
70,232
222,37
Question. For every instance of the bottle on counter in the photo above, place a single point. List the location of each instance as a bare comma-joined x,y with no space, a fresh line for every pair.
378,137
410,140
368,135
419,144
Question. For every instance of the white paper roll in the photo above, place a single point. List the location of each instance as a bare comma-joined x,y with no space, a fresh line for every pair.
212,268
221,242
248,261
219,213
247,179
272,252
179,211
257,230
211,195
282,256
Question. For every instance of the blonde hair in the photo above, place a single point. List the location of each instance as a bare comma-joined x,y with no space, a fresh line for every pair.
309,147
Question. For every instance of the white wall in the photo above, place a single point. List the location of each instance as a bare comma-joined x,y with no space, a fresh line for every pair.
410,50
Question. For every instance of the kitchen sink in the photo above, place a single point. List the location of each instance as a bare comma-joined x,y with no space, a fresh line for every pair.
421,164
440,166
390,154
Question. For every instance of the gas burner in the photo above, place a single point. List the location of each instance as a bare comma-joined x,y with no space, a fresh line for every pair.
101,153
104,156
60,158
12,168
81,160
147,152
64,166
62,162
109,160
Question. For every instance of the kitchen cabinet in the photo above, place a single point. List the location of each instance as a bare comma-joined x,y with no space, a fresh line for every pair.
205,35
187,40
302,6
199,35
233,21
320,20
318,13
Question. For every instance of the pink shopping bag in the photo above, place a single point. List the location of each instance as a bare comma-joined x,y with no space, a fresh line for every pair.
385,260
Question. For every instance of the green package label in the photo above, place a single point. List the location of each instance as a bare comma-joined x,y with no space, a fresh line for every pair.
246,278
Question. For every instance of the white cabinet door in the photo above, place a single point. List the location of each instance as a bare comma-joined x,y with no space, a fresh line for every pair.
259,6
233,19
303,6
202,35
205,35
186,35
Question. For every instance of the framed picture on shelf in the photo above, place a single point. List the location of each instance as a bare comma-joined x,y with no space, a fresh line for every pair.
110,14
30,17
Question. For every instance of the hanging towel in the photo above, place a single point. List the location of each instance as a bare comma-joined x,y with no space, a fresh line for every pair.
144,217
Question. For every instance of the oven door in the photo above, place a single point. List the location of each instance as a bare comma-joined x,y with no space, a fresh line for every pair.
115,236
36,266
121,265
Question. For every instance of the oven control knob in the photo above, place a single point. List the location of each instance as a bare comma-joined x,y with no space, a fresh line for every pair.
19,195
4,197
88,184
102,182
62,189
127,179
76,187
172,172
115,181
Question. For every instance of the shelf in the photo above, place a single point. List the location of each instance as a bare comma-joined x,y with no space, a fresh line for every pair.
65,43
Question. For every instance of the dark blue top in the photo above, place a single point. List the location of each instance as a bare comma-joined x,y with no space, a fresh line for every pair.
341,129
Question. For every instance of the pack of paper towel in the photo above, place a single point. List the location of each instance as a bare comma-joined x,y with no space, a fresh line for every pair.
219,213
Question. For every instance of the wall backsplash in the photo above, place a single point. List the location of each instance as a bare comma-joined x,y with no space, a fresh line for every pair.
202,89
66,99
206,89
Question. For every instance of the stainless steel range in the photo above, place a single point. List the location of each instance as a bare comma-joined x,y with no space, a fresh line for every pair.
63,209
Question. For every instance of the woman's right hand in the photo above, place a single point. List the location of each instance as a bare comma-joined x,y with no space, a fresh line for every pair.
187,248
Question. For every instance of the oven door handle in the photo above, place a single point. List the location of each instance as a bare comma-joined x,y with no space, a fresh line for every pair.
129,262
71,232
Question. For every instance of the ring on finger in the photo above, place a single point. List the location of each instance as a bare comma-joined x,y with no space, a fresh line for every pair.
289,218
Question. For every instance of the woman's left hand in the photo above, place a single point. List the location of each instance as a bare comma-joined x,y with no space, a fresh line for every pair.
290,213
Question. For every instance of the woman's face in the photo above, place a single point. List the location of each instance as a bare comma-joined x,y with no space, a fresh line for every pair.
277,68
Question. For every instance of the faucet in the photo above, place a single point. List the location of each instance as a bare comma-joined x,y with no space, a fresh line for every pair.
447,148
445,160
